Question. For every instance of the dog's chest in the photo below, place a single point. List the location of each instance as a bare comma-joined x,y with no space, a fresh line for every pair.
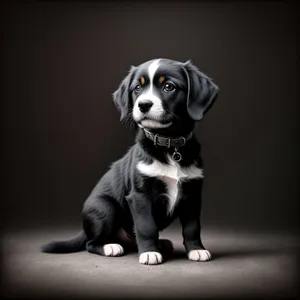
172,174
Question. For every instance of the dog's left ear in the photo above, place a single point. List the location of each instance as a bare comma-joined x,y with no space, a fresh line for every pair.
202,93
122,97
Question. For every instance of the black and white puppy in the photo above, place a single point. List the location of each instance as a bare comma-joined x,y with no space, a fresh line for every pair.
160,177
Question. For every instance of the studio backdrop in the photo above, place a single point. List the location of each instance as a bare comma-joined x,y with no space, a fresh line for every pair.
63,61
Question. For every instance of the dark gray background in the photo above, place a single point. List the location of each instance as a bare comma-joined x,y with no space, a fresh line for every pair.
62,61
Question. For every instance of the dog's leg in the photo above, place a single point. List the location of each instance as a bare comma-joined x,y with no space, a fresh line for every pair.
189,216
100,224
145,229
165,247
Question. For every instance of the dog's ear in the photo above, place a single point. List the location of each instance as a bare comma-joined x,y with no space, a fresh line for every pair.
122,97
202,92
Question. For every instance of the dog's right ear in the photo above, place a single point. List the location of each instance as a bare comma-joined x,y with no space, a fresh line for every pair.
122,97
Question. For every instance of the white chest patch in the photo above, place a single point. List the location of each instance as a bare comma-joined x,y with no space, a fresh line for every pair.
172,174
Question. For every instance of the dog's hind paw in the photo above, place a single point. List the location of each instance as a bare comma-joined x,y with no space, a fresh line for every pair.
151,258
113,250
199,255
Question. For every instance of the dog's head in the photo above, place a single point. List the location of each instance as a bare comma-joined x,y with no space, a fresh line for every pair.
164,95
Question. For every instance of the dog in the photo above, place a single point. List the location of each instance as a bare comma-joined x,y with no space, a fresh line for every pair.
160,177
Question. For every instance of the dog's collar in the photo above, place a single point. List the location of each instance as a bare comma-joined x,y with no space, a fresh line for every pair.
160,140
164,141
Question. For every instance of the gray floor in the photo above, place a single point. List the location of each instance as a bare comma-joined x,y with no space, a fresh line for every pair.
244,265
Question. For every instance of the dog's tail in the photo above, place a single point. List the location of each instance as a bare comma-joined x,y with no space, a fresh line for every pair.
73,245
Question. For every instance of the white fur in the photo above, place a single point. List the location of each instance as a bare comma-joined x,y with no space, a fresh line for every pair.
154,124
113,250
199,255
172,174
157,110
150,258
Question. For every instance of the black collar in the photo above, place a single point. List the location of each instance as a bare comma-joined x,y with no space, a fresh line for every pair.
159,140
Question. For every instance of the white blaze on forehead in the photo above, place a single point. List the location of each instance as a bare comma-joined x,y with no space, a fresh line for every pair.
152,70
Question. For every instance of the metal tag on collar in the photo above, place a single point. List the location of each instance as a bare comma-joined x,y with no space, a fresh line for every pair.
176,156
155,140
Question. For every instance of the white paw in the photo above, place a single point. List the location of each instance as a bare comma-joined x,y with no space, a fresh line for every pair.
150,258
113,250
199,255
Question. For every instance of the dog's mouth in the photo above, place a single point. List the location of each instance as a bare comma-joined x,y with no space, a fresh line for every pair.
152,124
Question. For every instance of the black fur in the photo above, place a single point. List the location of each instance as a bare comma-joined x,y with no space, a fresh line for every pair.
125,198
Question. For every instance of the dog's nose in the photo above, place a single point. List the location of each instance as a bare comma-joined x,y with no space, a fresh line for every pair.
145,105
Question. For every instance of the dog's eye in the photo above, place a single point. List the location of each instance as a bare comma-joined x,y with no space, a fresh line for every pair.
138,88
169,87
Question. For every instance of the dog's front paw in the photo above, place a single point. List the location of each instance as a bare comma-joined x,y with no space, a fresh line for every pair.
150,258
199,255
113,250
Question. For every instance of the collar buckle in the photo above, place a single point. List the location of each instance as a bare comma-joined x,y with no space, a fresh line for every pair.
155,140
180,142
184,141
169,143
